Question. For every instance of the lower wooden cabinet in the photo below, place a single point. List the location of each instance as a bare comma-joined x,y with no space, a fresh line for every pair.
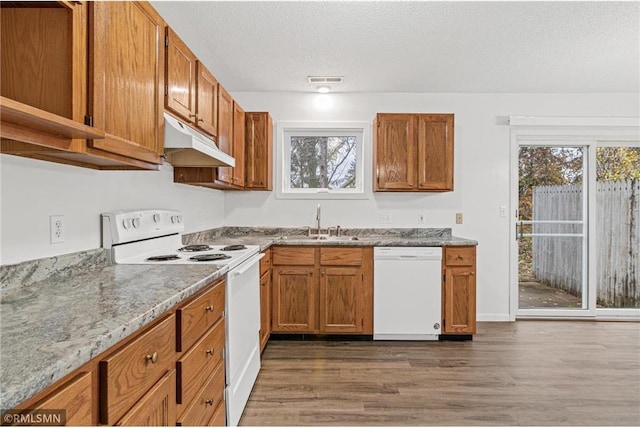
75,397
325,290
157,407
459,290
265,309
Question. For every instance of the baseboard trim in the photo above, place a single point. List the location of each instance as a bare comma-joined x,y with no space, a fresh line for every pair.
493,317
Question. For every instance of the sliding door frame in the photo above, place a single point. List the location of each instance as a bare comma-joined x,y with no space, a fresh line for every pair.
589,133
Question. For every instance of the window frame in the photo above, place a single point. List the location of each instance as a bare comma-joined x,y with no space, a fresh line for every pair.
363,158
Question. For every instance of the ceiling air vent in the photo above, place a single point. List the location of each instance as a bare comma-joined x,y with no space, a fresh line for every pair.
327,80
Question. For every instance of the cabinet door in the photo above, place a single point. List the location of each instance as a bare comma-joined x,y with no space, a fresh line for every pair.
206,101
127,78
157,407
181,78
225,132
435,152
459,300
394,153
259,151
294,299
238,145
75,399
265,309
341,300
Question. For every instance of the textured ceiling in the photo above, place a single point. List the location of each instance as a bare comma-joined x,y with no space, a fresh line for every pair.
410,46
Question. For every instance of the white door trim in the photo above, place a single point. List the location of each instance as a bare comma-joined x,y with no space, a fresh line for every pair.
585,131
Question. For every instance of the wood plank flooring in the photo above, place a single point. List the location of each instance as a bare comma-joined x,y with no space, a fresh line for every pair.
522,373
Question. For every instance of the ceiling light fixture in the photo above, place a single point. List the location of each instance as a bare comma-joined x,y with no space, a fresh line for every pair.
323,89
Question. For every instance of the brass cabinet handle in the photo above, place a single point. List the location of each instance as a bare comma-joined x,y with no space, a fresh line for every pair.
200,120
152,357
209,351
209,308
209,401
472,273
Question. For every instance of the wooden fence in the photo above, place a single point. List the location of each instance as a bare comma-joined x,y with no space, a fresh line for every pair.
557,261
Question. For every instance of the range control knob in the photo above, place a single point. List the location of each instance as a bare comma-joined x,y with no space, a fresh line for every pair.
126,223
136,223
180,218
174,219
156,218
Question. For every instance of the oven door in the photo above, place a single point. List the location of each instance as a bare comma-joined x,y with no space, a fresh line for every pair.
243,335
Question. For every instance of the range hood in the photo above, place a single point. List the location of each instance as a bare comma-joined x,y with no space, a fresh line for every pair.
184,146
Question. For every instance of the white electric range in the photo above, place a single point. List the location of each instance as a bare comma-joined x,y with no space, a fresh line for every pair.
155,237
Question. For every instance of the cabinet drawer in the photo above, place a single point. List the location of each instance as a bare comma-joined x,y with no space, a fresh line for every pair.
127,374
203,408
157,407
196,317
459,256
219,418
265,263
294,256
341,256
198,362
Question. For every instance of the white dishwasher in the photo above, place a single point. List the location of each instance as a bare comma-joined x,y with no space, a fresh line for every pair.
407,293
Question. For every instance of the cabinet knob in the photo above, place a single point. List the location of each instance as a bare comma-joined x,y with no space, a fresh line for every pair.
200,120
209,351
209,308
152,357
193,115
472,273
209,402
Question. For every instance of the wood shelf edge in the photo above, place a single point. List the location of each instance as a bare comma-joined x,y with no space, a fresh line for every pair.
26,116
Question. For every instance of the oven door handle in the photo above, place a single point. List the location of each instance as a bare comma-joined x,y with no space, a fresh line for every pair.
246,265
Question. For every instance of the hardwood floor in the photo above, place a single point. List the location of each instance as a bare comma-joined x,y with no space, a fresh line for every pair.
522,373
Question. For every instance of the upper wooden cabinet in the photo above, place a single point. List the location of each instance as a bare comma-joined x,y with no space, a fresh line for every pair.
127,78
413,152
65,64
180,72
225,132
259,151
206,101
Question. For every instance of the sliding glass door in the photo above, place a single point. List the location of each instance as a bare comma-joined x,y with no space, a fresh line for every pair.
551,230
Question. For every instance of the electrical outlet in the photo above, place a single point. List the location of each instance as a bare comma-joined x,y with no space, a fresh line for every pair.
385,218
458,218
56,228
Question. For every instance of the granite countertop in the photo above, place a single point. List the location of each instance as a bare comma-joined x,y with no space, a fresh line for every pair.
52,327
59,313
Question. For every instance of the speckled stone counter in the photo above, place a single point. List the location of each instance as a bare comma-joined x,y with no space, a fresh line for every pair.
266,237
56,314
51,327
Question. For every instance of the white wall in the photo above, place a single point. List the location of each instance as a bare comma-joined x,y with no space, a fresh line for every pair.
32,190
481,170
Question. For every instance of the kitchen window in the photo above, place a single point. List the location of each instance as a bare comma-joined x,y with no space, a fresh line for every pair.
322,160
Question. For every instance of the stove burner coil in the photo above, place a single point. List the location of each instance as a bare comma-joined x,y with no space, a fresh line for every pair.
163,258
233,248
209,257
194,248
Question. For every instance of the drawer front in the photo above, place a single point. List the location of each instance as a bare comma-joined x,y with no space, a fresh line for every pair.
305,256
204,406
196,317
199,362
460,256
129,373
265,262
340,256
